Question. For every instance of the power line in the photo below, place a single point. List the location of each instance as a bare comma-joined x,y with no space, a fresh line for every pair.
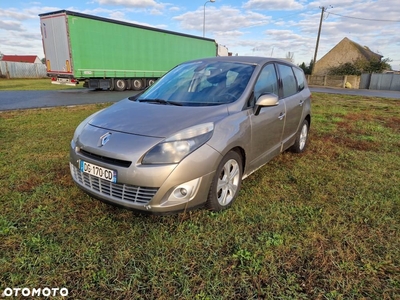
365,19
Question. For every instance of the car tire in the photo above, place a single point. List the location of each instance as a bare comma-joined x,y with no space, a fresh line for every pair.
226,183
300,143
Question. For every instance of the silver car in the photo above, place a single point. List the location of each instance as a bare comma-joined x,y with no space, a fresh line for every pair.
189,139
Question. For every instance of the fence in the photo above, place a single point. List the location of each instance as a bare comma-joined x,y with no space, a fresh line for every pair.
390,82
22,70
349,81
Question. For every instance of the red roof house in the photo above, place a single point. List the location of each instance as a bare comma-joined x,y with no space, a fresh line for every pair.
22,58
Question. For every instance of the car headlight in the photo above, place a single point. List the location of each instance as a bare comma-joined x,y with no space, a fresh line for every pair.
174,148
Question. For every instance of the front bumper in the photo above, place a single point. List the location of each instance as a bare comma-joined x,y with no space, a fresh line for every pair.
154,189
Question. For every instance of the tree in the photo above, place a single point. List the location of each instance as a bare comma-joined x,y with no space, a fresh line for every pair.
346,69
378,66
361,66
303,66
307,69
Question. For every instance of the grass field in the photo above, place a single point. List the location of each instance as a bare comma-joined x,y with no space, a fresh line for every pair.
320,225
32,84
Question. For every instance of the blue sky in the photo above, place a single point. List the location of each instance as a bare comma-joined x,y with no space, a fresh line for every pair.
247,27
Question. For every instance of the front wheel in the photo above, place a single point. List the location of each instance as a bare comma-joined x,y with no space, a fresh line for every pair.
226,183
301,138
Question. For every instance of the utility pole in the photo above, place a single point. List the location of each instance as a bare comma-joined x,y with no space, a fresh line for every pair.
323,9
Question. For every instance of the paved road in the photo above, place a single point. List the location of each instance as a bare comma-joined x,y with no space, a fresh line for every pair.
10,100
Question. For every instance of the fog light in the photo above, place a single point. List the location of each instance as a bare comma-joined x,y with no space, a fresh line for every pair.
184,192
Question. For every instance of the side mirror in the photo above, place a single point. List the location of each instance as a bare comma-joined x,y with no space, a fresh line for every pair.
265,100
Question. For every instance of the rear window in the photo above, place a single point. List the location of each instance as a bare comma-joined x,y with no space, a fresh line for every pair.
288,80
300,78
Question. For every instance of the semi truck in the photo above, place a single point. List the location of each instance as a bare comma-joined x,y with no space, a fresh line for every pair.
108,54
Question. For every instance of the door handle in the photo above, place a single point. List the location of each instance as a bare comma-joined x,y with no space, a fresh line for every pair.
301,102
281,116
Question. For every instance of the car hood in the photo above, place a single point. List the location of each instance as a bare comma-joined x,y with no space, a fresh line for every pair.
155,120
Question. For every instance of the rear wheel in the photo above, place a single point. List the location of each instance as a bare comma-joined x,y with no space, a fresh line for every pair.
120,84
150,82
301,138
137,84
226,183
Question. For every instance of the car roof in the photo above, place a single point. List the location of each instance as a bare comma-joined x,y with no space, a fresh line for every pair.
259,60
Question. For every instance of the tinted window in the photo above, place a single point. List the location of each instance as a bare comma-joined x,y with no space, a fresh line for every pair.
288,80
266,82
300,78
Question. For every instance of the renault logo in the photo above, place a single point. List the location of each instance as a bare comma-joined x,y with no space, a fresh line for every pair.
104,139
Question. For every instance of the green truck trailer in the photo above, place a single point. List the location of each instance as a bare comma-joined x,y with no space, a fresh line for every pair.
108,54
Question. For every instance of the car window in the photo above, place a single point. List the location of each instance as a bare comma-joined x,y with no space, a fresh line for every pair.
300,78
266,82
289,83
201,84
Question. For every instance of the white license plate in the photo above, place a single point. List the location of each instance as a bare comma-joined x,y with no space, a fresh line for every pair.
100,172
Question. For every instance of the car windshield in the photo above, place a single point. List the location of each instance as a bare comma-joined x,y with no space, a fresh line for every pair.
200,84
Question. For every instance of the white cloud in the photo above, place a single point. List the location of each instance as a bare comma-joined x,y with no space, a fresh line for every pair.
274,4
131,3
14,14
246,27
11,25
224,19
175,8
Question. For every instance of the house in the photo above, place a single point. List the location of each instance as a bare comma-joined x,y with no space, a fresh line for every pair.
346,51
22,58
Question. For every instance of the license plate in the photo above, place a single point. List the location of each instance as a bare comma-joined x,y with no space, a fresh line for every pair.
100,172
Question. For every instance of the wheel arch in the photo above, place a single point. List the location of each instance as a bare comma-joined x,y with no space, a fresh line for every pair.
239,150
308,118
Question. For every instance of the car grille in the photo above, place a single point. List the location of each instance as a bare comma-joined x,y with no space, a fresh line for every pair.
136,194
113,161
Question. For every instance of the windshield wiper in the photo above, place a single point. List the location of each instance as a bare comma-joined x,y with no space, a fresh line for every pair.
161,101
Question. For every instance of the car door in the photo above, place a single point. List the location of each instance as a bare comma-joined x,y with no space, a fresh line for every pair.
293,100
267,126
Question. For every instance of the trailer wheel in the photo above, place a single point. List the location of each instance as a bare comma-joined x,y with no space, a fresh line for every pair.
150,82
120,85
137,84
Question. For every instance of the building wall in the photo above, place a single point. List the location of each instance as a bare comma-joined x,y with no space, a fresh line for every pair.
345,51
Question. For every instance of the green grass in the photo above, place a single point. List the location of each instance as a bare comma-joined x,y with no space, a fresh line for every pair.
320,225
32,84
